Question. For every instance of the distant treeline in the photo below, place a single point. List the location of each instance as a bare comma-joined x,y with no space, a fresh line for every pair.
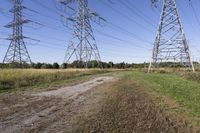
75,64
91,64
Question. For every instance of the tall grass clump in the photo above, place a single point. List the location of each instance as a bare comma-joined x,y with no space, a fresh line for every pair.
190,76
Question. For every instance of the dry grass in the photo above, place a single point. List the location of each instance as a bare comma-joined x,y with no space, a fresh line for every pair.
177,95
123,106
167,70
190,76
127,108
16,78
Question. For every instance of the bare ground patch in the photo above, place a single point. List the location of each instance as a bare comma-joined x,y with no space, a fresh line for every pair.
71,92
100,107
47,112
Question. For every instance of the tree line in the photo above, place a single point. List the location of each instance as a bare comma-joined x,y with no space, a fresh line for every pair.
75,64
90,64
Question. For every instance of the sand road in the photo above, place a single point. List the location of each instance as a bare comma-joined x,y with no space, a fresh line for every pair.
48,111
73,91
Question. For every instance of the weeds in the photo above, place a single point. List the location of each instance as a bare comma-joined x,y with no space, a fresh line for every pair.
16,78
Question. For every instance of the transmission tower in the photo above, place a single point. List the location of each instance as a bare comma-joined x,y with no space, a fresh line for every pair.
170,44
83,44
17,51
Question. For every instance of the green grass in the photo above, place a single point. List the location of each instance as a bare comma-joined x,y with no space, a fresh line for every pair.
127,107
13,79
185,92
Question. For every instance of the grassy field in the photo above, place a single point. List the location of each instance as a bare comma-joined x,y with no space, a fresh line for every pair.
185,92
12,79
138,100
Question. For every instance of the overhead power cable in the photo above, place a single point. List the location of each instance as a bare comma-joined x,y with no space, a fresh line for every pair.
195,14
130,7
126,16
111,24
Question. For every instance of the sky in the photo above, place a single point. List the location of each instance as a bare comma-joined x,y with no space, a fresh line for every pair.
126,36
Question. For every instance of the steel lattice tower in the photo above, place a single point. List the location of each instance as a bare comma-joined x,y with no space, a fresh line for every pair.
17,51
83,44
170,44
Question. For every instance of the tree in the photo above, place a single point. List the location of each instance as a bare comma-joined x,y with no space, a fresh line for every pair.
111,64
64,65
46,66
56,65
37,65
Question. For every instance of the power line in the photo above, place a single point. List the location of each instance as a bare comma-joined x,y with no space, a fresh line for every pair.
109,51
99,32
63,41
45,36
62,47
195,14
52,38
5,14
131,34
48,16
127,17
46,7
113,37
187,18
47,25
116,38
189,22
140,11
65,31
127,5
111,24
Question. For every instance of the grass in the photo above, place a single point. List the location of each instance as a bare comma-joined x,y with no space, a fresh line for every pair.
179,95
190,76
127,107
139,99
129,104
186,93
13,79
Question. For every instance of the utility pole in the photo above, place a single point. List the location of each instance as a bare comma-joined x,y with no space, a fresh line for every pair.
170,44
83,44
17,51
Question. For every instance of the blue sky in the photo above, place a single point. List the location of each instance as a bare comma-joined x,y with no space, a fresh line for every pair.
122,44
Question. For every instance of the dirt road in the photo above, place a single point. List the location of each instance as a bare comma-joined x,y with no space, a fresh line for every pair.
49,111
98,105
73,91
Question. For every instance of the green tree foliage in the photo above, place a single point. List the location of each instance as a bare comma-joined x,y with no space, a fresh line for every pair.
56,65
90,64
